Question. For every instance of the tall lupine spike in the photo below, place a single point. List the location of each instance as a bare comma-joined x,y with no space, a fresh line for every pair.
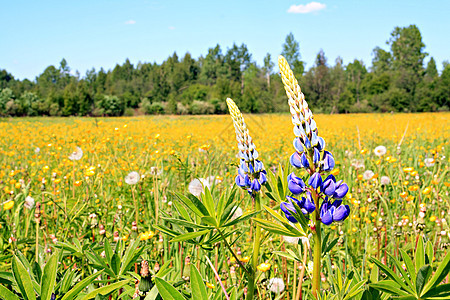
305,128
309,146
251,174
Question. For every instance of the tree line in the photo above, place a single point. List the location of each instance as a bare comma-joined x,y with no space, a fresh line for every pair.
397,81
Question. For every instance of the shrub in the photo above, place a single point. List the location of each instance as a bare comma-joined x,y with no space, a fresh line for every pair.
201,108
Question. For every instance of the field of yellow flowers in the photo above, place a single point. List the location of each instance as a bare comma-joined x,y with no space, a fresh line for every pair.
72,187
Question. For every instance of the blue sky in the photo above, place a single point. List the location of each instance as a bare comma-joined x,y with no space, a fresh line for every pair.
101,33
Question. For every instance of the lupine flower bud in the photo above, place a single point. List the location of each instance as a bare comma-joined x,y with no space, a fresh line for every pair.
315,180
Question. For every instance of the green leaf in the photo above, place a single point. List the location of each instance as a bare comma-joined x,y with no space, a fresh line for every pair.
166,230
276,215
185,223
153,294
442,290
390,287
23,279
105,290
194,204
208,201
406,298
420,254
355,290
439,275
128,256
276,228
405,275
189,236
167,291
391,275
210,221
409,266
164,269
28,266
197,285
115,263
242,218
287,255
422,277
181,210
49,277
298,215
330,246
73,292
108,251
6,278
429,253
7,294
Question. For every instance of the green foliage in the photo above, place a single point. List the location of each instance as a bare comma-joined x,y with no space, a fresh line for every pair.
420,279
52,281
396,81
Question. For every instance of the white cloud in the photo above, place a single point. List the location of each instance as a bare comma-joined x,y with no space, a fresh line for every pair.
306,8
130,22
172,27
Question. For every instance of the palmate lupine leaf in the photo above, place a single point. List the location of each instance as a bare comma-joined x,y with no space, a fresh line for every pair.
194,204
442,271
391,274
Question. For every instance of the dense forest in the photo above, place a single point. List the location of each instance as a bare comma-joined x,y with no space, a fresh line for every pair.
397,80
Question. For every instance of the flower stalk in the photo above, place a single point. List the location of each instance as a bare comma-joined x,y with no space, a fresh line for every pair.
323,200
251,176
256,247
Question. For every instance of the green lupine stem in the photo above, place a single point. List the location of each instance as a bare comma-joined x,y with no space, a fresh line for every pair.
256,245
317,248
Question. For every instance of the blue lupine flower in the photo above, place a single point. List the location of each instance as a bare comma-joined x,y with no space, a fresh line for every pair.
307,142
295,160
255,186
298,145
341,190
327,161
240,181
308,203
315,180
321,144
329,185
335,212
316,156
295,184
304,160
286,207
